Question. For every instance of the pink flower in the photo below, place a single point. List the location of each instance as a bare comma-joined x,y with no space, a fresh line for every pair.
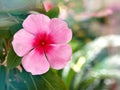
48,6
43,43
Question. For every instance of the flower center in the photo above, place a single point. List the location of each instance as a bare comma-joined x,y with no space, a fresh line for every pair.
42,43
42,40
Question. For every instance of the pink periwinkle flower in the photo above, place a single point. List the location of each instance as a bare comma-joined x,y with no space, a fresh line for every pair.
42,43
48,6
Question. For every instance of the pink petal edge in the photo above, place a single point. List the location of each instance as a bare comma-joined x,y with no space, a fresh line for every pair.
22,42
35,62
59,31
58,55
36,23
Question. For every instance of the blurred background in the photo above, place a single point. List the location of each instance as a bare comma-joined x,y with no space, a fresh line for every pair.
95,64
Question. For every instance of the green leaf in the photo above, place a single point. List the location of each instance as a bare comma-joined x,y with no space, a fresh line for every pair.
13,60
4,34
13,29
6,20
47,81
14,80
54,12
8,32
2,78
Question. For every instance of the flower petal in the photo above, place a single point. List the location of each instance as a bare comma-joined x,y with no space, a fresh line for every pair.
36,23
59,31
58,55
35,62
22,42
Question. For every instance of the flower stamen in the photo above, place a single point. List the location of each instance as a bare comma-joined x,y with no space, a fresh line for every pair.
42,43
